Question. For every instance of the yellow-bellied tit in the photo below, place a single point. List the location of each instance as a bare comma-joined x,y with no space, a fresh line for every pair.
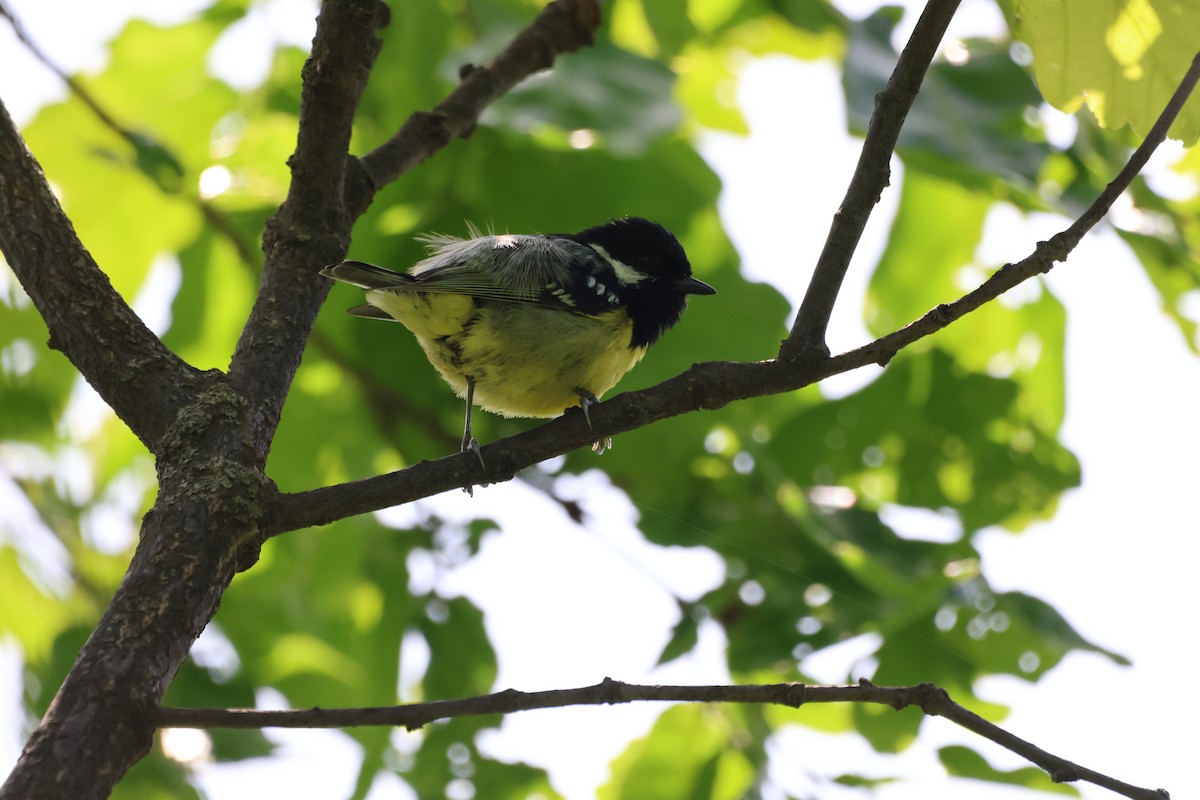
530,325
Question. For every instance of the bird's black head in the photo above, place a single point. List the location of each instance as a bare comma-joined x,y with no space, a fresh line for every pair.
653,274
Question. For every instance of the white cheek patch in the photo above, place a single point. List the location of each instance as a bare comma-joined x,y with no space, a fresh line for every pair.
625,274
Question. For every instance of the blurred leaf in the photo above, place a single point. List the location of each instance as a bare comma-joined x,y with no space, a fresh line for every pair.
683,638
685,756
925,416
970,122
1124,59
671,24
924,265
462,663
963,762
623,98
1175,272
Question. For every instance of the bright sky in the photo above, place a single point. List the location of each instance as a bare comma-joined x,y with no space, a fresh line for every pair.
1117,560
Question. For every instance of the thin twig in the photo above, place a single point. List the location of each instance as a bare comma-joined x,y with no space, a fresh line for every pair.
871,176
932,700
1044,256
562,27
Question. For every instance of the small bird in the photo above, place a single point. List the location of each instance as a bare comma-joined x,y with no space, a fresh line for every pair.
531,325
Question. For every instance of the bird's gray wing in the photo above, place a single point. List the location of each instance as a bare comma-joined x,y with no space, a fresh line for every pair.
516,269
367,276
524,269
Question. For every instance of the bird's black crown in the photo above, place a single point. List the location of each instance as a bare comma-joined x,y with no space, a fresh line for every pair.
655,303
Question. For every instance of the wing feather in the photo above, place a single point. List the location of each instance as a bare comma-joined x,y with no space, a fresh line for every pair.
522,269
510,268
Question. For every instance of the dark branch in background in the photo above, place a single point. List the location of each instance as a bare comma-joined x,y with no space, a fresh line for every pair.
933,701
709,386
871,176
144,382
562,27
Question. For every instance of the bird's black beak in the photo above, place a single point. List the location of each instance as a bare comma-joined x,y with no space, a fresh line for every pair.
693,286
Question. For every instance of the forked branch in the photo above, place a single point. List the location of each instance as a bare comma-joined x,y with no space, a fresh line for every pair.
710,385
871,176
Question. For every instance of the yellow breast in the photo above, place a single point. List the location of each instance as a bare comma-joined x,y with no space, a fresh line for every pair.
526,360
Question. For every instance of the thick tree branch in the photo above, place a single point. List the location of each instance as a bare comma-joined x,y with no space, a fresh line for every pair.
143,381
711,385
871,176
563,27
933,701
201,530
311,228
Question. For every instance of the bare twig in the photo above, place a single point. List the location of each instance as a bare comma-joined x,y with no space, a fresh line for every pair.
563,27
871,176
710,385
1044,256
932,700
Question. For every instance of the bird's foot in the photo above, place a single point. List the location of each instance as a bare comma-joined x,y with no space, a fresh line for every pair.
586,401
471,445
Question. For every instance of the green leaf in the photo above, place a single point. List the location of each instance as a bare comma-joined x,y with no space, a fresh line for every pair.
671,24
462,662
926,416
684,636
1123,59
970,122
926,264
963,762
623,98
1173,269
686,756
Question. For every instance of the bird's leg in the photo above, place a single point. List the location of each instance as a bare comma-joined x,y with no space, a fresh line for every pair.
586,401
469,442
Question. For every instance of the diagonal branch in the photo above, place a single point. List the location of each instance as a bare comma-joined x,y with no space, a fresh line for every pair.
311,227
710,385
871,176
563,27
144,382
933,701
1042,259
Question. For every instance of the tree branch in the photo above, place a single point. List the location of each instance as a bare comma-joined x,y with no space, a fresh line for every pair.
711,385
933,701
563,27
871,176
311,229
144,382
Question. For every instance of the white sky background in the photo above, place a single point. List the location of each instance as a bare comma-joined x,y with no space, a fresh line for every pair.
1118,560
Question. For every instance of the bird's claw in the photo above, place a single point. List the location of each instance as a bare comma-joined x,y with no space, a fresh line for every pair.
586,401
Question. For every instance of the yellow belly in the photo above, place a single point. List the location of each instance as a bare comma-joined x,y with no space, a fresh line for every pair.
527,361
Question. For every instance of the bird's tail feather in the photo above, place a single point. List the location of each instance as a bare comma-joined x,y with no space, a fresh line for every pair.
366,276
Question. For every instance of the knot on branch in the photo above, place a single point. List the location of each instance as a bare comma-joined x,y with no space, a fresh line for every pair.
1053,250
383,15
612,692
932,699
1063,771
